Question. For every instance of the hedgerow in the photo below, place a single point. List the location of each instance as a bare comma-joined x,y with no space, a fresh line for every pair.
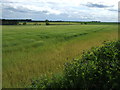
98,68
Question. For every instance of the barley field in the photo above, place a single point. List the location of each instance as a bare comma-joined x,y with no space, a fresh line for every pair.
30,51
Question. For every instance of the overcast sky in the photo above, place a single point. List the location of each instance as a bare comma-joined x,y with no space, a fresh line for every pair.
75,10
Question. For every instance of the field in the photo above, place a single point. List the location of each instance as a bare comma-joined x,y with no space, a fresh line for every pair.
30,51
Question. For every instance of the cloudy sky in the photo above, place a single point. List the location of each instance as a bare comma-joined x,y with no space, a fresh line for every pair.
74,10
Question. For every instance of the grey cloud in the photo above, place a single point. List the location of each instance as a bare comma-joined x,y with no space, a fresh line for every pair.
97,5
17,15
114,10
6,2
21,9
15,9
20,12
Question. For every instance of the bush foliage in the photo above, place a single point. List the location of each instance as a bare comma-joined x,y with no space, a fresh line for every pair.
99,68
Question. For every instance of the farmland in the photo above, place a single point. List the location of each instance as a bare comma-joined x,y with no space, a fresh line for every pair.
30,51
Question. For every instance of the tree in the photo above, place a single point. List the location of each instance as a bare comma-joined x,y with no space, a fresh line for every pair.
24,23
47,22
85,22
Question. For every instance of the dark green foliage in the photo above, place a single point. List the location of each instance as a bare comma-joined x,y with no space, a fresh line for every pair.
85,22
24,23
99,68
9,22
47,22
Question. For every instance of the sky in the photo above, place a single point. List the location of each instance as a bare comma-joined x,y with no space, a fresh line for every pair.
65,10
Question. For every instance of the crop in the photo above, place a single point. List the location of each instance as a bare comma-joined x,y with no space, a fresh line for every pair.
30,51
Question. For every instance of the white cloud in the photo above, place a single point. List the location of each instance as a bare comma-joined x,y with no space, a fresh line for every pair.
72,9
46,9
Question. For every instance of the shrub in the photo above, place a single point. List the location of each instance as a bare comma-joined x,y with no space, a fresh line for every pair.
24,23
47,22
99,68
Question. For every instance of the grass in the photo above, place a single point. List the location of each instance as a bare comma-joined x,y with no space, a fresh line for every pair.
30,51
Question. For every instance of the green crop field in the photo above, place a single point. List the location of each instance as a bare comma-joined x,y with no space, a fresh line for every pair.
30,51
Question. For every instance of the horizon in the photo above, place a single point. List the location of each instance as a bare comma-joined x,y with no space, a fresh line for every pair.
57,20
